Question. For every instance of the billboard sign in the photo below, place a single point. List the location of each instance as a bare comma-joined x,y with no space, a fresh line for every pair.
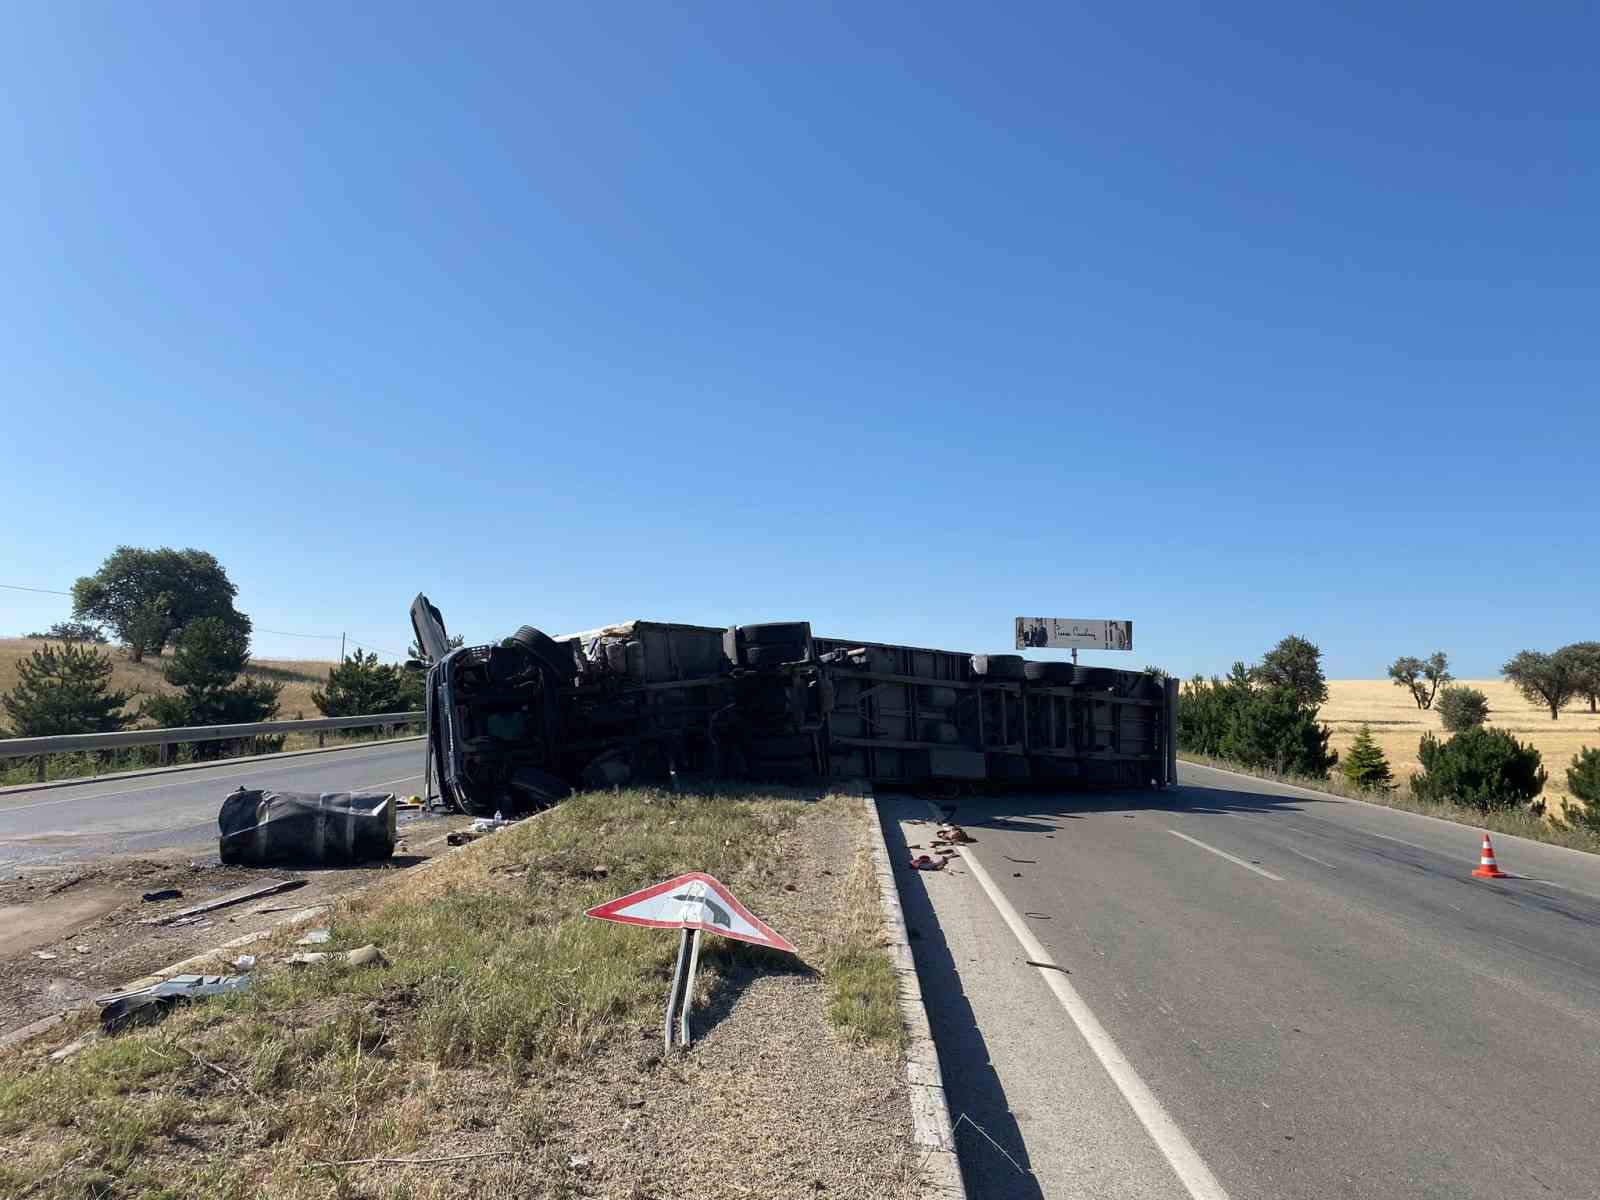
1072,633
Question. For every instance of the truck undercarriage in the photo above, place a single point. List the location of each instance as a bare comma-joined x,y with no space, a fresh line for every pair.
515,726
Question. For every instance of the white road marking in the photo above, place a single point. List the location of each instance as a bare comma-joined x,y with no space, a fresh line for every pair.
1311,858
201,776
369,786
1248,866
1181,1156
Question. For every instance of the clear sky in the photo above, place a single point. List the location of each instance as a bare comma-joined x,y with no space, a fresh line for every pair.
1234,319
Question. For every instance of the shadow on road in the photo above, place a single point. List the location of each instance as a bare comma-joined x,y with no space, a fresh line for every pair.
971,1085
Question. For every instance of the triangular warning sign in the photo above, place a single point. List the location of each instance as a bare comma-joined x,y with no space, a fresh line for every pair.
692,901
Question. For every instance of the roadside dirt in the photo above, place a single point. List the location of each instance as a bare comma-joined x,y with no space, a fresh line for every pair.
78,930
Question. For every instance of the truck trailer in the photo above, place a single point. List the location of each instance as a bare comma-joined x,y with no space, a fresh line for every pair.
516,725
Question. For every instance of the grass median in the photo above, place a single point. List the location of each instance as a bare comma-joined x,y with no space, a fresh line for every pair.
512,1046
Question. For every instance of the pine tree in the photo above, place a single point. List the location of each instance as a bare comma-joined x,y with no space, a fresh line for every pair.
1583,781
361,685
211,655
63,690
1365,765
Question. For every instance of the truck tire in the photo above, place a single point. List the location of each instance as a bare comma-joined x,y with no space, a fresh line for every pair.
998,666
546,651
775,633
1057,674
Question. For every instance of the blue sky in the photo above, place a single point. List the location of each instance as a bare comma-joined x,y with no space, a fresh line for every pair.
1234,319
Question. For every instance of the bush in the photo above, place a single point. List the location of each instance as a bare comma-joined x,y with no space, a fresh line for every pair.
361,685
1485,769
1365,766
1462,708
1583,781
212,652
1271,728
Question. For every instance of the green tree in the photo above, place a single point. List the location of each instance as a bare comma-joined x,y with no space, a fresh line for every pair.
64,690
1584,657
1548,679
361,685
1583,781
1422,677
1461,708
456,641
148,597
1205,710
1295,665
1486,769
211,654
1365,766
1270,727
72,631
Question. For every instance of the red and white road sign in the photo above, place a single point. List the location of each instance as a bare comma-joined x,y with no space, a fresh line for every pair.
692,901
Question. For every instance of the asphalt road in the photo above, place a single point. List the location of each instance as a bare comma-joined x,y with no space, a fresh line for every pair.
176,809
1256,992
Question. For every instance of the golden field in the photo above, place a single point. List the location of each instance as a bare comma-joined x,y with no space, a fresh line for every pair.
1398,725
300,677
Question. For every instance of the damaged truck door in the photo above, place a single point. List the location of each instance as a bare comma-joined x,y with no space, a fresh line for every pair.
514,726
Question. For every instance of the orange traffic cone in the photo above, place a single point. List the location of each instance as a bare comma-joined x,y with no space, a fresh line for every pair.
1487,867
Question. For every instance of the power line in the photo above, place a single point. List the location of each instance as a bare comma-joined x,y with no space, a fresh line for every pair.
329,637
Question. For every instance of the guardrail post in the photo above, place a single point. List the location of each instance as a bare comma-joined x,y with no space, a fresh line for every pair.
322,738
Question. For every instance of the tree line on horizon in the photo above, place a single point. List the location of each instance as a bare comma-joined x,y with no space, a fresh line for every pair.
1265,717
182,601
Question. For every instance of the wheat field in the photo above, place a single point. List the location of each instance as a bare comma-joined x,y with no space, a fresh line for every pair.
300,677
1398,725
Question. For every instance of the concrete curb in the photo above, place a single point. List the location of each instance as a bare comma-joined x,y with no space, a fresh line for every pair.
246,759
930,1113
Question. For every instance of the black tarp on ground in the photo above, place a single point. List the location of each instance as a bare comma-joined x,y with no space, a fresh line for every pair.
261,826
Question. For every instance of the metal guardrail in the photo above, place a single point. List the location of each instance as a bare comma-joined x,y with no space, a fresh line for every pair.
40,747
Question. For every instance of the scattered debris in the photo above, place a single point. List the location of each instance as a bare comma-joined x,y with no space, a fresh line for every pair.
489,824
926,862
119,1007
245,962
81,949
260,826
952,834
71,1048
578,1162
253,893
362,956
314,937
163,894
45,954
408,802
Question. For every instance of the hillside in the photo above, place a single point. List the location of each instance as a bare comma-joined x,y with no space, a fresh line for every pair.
300,677
1398,725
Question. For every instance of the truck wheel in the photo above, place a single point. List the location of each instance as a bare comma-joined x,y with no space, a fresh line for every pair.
998,666
547,652
1057,674
775,633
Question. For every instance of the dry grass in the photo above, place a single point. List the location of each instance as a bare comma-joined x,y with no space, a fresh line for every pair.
1398,725
300,677
510,1028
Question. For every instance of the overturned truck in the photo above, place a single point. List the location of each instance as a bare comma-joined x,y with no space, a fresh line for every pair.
515,726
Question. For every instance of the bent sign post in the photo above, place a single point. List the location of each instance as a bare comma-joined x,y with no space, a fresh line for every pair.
695,902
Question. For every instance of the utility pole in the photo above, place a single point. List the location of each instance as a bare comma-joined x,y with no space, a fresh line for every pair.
341,647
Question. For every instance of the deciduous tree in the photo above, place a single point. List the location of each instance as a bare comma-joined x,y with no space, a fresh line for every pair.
1547,679
148,597
1422,677
1294,664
